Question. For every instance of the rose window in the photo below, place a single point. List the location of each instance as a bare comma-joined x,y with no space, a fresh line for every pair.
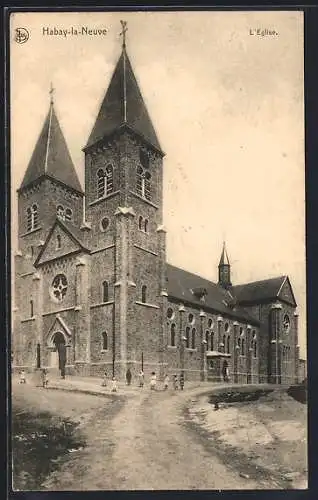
59,287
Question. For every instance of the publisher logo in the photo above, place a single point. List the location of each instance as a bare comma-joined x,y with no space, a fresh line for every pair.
21,35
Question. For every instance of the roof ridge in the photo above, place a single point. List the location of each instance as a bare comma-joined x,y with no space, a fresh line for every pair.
262,281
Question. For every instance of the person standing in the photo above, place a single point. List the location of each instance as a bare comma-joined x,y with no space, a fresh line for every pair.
44,377
153,381
128,376
104,382
175,382
166,382
114,385
227,374
22,377
181,381
141,378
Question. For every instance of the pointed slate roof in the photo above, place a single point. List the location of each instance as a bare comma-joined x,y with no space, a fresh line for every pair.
259,291
123,105
182,285
51,156
224,260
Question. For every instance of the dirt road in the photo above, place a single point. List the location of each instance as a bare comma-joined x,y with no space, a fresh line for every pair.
140,442
146,447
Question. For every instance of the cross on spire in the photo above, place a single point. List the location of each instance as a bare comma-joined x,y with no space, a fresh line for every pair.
51,91
123,32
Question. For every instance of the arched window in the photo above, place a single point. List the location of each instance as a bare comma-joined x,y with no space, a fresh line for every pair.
29,219
68,214
255,349
223,342
109,179
212,341
60,212
105,341
243,347
193,338
58,242
35,216
173,335
187,337
239,342
228,344
32,217
147,193
144,294
140,181
207,335
140,222
143,183
31,309
146,225
105,291
101,183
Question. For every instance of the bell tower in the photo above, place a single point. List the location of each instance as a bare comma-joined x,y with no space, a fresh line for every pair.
224,269
123,179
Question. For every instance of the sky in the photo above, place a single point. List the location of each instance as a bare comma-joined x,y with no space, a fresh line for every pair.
228,108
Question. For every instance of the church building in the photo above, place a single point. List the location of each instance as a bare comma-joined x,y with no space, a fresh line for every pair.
92,284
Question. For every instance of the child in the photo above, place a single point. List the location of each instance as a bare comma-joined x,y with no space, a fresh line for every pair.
104,382
22,377
153,381
114,385
141,378
45,379
181,381
166,382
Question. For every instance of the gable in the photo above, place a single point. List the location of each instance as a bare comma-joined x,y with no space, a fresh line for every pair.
286,293
59,243
58,325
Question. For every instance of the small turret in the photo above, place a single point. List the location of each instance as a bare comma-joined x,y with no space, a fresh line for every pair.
224,269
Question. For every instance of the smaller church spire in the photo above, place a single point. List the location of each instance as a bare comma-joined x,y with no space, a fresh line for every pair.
224,269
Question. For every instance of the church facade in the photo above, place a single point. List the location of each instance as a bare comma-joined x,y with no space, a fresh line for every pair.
91,276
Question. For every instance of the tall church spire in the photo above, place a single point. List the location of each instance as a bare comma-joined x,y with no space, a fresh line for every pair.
51,157
224,269
123,104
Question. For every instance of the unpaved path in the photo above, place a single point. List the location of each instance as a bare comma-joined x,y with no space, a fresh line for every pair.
156,451
147,446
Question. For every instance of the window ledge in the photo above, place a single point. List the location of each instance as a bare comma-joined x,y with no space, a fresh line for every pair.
173,347
191,349
144,199
101,304
33,318
147,305
31,232
103,350
99,200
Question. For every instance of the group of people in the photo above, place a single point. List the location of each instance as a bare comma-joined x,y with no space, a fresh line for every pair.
178,382
44,377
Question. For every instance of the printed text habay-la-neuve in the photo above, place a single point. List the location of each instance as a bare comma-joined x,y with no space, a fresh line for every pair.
73,31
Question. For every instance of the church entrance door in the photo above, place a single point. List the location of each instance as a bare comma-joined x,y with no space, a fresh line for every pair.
58,355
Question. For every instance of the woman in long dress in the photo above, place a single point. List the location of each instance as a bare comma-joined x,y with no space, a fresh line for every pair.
153,381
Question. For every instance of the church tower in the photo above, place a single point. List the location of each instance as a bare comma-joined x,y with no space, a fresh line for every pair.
224,269
123,183
50,187
50,190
